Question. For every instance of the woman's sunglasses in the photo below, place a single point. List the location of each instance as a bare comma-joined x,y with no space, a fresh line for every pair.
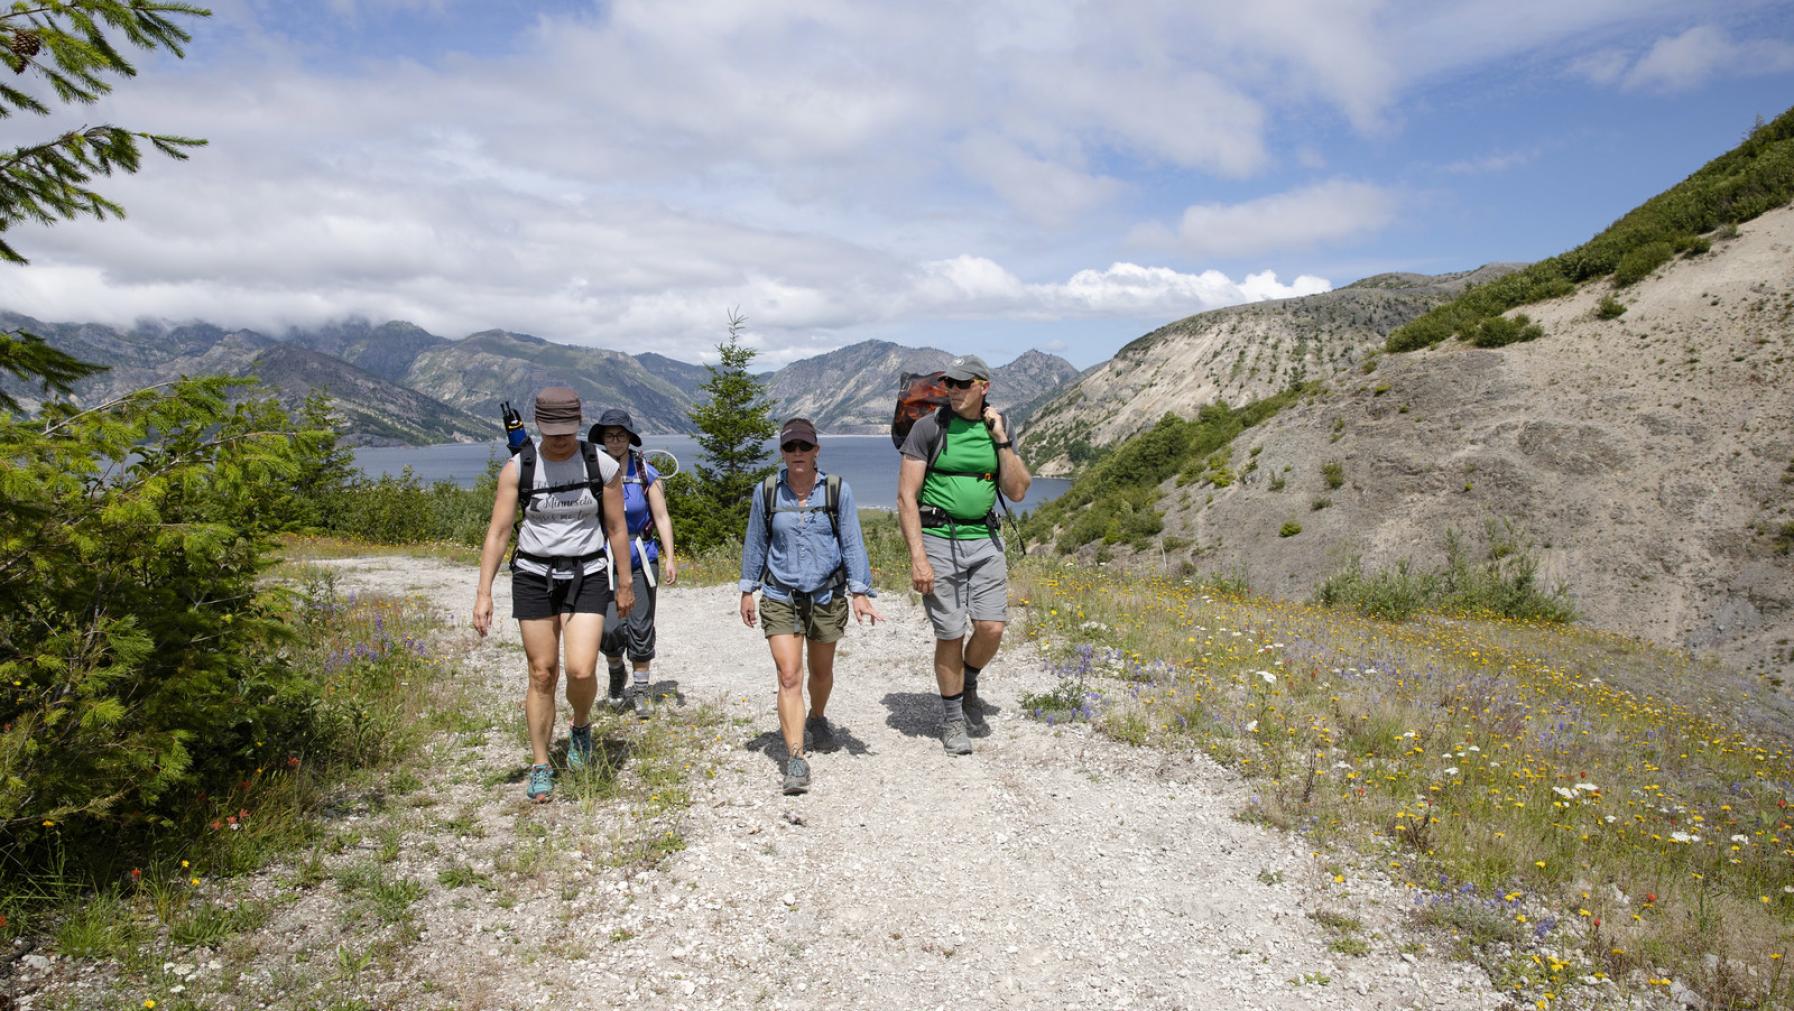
959,384
798,447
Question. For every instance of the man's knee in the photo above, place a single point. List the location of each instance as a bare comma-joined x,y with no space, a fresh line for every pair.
988,629
790,680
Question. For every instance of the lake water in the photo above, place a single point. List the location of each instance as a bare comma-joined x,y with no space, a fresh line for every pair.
867,462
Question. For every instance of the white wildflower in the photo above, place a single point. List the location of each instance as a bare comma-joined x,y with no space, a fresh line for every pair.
1269,678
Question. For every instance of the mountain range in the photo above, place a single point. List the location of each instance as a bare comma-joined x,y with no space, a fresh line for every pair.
397,384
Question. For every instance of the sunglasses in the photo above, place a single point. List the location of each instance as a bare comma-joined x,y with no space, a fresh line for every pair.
798,447
959,384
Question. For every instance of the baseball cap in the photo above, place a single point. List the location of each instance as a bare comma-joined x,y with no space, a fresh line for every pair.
968,367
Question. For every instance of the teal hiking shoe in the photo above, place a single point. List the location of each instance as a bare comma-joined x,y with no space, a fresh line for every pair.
579,746
541,783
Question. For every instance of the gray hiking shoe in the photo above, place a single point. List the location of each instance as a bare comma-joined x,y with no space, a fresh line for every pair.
639,700
975,722
954,739
822,736
797,776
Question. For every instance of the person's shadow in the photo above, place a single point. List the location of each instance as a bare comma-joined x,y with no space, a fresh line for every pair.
666,690
772,744
918,714
609,757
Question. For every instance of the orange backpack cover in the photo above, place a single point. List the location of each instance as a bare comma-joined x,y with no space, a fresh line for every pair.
918,394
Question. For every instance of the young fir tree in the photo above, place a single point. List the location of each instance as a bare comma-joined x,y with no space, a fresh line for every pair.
143,662
733,426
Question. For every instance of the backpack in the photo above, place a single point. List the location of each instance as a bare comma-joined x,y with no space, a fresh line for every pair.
993,519
918,394
831,498
526,490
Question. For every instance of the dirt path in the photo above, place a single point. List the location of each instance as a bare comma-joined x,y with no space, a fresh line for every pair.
1052,868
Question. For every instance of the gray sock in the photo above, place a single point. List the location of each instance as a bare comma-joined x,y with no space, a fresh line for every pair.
953,707
641,679
972,677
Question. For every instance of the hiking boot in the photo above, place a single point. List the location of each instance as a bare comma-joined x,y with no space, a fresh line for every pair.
797,776
619,680
639,700
954,739
541,783
974,709
822,736
579,746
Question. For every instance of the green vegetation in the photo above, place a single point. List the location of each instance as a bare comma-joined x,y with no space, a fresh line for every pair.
1755,176
1333,472
733,426
1610,308
1500,331
1115,500
1290,528
1503,584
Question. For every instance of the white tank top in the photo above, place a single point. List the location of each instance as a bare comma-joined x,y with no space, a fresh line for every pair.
563,524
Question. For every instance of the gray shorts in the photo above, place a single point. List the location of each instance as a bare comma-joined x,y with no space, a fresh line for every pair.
971,578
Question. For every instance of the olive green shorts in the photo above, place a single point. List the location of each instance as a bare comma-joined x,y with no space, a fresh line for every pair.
798,616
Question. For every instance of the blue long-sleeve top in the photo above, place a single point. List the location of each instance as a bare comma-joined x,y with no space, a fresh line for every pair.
804,553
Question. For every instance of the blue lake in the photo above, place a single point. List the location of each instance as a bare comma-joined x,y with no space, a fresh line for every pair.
867,462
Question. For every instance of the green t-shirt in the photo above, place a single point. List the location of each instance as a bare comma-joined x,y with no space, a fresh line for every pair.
967,499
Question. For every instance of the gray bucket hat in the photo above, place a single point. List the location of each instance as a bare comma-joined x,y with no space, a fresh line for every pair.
615,417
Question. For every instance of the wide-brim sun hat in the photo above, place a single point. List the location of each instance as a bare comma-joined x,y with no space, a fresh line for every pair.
616,417
557,411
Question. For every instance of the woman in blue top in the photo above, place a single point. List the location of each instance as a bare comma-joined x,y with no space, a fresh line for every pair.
650,560
806,558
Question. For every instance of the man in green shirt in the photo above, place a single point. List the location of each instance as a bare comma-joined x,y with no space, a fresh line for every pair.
955,463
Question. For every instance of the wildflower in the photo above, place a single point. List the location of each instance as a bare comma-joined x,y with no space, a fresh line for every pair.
49,824
1268,677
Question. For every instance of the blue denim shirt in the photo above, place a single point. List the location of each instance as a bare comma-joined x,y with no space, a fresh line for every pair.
804,553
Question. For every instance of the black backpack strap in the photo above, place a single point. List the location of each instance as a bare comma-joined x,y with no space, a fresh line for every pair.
526,477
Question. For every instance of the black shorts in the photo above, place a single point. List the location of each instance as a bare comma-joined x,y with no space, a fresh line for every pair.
532,597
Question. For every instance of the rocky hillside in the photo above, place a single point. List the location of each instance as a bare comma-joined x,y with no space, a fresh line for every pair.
476,373
373,412
387,350
1647,459
852,390
1237,354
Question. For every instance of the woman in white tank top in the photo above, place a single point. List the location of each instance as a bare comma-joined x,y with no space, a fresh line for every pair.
559,590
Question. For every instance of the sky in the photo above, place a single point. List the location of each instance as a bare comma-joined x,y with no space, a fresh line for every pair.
986,177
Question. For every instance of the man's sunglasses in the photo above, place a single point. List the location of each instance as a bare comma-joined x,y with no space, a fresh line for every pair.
798,447
959,384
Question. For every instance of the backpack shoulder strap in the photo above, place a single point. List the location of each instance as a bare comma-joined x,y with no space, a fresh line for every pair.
832,501
526,475
642,477
769,494
942,416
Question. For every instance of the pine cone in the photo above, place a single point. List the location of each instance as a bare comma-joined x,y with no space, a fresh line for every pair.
26,43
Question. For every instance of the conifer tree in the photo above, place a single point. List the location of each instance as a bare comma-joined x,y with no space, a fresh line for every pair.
733,426
63,48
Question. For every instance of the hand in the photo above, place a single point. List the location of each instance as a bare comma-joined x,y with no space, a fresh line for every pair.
921,576
993,420
747,609
670,574
862,607
625,599
482,614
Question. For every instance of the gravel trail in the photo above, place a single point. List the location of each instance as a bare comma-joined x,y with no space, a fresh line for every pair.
1052,868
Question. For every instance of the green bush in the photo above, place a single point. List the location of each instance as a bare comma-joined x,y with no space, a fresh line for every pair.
1610,308
1333,472
1290,528
403,510
142,661
1638,263
1502,584
1500,331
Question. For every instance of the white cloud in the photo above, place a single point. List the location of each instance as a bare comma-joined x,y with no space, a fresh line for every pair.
1331,211
1682,62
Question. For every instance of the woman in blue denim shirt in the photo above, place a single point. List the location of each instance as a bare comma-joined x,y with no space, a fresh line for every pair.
807,564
